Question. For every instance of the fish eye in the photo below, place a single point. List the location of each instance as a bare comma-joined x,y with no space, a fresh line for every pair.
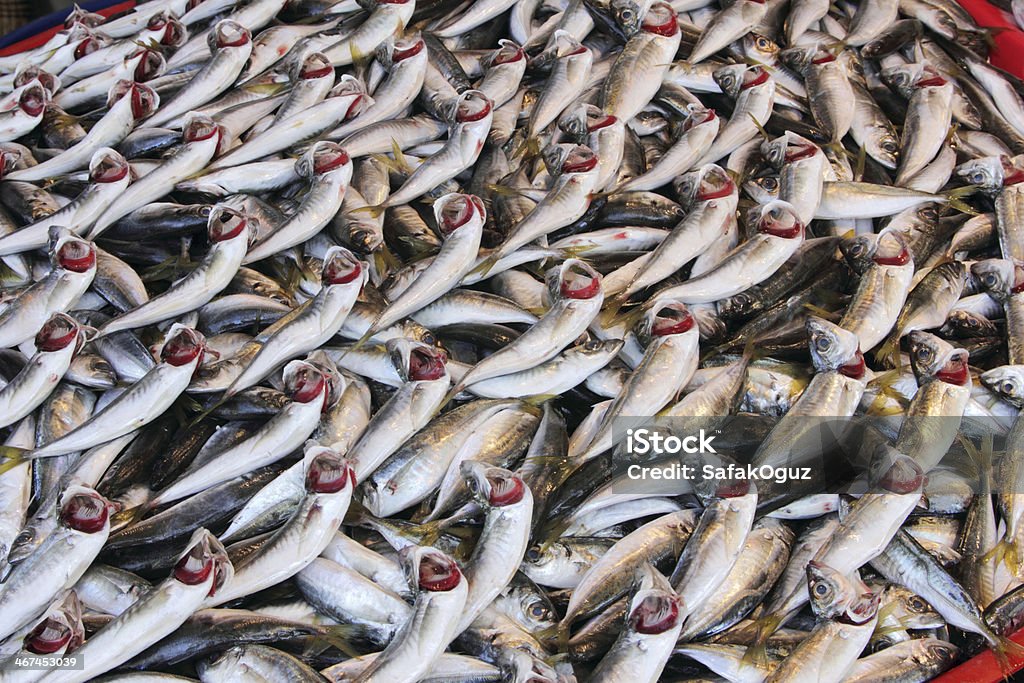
917,604
538,610
763,43
977,177
429,339
924,354
989,280
626,14
533,554
821,590
857,249
1007,387
823,343
889,146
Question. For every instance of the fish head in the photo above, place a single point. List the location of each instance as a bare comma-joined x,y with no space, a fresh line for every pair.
967,325
10,155
665,317
901,77
573,279
508,52
142,98
229,665
429,569
566,46
183,345
148,64
107,166
226,34
830,591
415,361
341,267
312,66
1000,278
730,78
760,48
661,20
597,348
83,17
654,611
883,145
88,44
833,348
31,72
33,99
60,629
707,182
327,471
304,383
986,172
84,510
1007,381
171,32
913,611
199,127
894,472
410,50
779,219
71,252
204,559
697,115
938,651
456,210
352,88
226,224
763,189
321,158
59,332
788,148
470,106
574,124
492,486
935,358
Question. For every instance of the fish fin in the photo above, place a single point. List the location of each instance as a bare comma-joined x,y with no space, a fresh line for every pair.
373,210
631,318
955,197
1004,551
757,652
1008,653
12,457
889,352
362,340
577,251
538,400
822,312
487,264
267,89
403,163
612,307
862,160
760,129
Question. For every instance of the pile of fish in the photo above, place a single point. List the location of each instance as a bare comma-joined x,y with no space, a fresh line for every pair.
321,320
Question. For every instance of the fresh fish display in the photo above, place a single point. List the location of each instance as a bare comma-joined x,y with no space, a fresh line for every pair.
544,341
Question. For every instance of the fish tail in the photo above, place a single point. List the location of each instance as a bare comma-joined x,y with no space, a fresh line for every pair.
757,653
612,307
362,340
373,210
209,411
629,319
1004,551
1009,654
487,264
889,352
955,198
760,129
12,457
341,636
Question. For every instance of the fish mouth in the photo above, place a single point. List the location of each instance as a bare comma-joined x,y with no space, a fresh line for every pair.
87,46
304,382
579,159
228,33
423,363
891,251
174,34
404,49
341,267
779,220
315,65
328,156
49,636
157,21
472,106
33,99
328,472
657,612
754,77
455,210
57,333
1013,170
108,166
85,510
76,255
184,346
499,488
955,371
698,116
661,20
433,570
577,280
200,128
144,100
151,64
204,558
902,477
225,224
671,317
861,611
715,183
9,158
507,53
33,73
